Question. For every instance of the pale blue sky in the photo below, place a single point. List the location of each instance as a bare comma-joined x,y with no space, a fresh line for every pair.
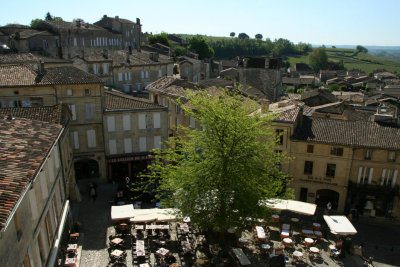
338,22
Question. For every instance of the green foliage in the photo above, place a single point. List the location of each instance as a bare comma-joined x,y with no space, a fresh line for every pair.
50,17
243,35
232,34
35,21
161,38
200,46
334,87
218,175
318,59
361,48
258,36
179,51
333,46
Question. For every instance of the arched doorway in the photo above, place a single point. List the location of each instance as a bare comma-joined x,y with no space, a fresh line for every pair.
86,168
326,195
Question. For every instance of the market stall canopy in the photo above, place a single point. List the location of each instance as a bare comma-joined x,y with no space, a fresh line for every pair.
291,205
122,212
149,215
340,225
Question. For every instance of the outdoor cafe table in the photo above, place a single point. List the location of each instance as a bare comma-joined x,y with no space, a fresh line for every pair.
307,232
316,225
295,220
285,226
116,253
260,233
70,261
265,247
140,252
284,234
275,217
287,241
298,254
243,241
162,252
72,247
308,241
314,249
139,226
144,265
318,234
157,227
117,240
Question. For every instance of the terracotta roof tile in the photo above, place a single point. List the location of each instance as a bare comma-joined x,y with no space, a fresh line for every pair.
26,75
24,144
119,101
348,133
55,114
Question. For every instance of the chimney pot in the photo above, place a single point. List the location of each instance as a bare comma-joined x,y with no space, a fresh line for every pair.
117,17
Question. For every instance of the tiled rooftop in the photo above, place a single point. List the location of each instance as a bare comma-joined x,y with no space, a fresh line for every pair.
54,114
348,133
24,144
119,101
26,75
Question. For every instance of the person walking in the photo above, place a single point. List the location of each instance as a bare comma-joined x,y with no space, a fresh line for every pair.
92,192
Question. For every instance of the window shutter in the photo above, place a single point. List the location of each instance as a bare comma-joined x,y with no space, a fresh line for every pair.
157,142
371,171
383,178
126,122
157,120
111,123
112,146
360,171
91,136
128,145
142,121
89,111
33,204
43,185
142,144
394,178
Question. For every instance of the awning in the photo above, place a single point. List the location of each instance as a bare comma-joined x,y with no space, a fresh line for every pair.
291,205
340,225
149,215
122,212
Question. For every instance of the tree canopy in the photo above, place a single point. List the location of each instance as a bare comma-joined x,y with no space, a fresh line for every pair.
318,59
218,175
361,48
48,16
258,36
243,35
232,34
161,38
200,46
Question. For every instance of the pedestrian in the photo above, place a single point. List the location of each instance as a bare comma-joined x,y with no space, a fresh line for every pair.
92,192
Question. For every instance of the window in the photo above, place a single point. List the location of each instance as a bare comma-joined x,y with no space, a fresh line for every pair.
74,140
89,111
156,120
91,138
72,108
105,68
33,203
392,156
142,121
87,92
279,136
388,177
364,175
330,170
120,76
157,142
129,76
128,145
177,108
96,68
69,92
142,144
36,101
308,167
147,74
159,73
142,74
127,88
126,122
126,76
45,44
310,148
111,123
337,151
112,143
368,154
192,122
139,87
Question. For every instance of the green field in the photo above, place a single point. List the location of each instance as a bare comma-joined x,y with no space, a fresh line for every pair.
354,60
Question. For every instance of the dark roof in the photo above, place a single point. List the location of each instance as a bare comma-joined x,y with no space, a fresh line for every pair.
289,115
24,144
57,114
24,58
302,67
26,75
65,25
26,34
121,57
120,101
171,86
347,133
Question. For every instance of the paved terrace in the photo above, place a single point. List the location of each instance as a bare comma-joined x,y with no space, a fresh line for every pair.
97,227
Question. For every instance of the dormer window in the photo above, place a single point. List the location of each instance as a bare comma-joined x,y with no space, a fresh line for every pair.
368,154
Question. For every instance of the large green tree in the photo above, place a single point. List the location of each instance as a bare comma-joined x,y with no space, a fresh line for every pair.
219,175
161,38
318,59
200,46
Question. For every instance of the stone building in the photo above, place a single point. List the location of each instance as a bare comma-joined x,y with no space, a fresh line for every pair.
130,31
132,128
78,38
190,68
24,86
97,64
132,72
34,206
35,60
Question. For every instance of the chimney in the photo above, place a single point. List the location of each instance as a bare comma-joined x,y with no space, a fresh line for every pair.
41,66
264,105
78,23
137,21
116,17
105,16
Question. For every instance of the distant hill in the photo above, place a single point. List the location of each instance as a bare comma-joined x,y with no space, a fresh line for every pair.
354,60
